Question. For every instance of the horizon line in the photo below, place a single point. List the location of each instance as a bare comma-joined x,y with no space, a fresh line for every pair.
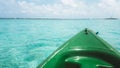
63,18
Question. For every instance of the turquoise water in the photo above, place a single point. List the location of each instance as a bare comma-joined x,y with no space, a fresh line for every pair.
26,43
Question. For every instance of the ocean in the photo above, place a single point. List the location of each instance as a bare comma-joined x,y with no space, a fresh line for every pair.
25,43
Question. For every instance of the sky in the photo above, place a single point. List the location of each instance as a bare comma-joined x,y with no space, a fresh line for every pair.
59,8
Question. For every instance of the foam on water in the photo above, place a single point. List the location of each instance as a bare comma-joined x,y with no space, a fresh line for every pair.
26,43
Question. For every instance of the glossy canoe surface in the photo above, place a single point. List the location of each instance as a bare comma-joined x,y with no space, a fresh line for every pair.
84,50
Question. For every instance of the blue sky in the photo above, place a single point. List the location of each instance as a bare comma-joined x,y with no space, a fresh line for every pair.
59,8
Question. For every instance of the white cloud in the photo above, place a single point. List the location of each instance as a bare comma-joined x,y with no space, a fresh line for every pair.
63,9
31,9
66,8
9,8
110,7
70,3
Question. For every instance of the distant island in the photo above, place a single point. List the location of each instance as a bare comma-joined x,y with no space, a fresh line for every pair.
111,18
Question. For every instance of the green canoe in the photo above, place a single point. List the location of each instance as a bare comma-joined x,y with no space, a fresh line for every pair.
84,50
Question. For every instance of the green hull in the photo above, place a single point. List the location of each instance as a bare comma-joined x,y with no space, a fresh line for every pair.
84,50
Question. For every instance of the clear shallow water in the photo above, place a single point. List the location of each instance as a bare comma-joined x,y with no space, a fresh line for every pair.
26,43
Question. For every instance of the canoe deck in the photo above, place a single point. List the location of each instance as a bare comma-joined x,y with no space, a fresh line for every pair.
84,50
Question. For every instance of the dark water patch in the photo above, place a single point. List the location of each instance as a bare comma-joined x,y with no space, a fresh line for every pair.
118,49
53,40
30,58
44,39
35,45
1,33
9,65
